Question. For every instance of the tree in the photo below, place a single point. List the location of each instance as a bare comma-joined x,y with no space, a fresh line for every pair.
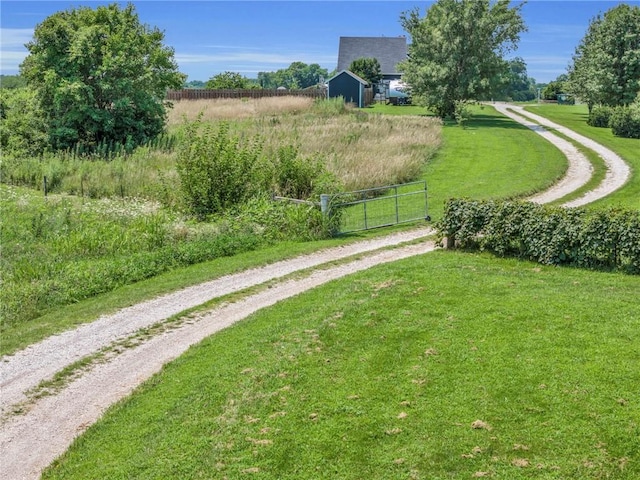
101,76
606,63
228,80
194,84
457,51
23,131
555,88
518,86
368,69
12,81
296,75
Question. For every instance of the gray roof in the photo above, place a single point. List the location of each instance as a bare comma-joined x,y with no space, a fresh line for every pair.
388,50
350,73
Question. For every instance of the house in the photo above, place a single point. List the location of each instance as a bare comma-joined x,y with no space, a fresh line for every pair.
389,51
349,86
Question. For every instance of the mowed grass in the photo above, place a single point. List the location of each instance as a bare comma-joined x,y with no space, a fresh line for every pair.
491,157
575,117
46,241
447,365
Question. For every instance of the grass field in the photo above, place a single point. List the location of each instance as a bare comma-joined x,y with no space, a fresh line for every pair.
448,365
66,248
492,157
575,118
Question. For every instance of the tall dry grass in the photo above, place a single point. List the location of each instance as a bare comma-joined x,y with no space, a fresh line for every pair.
235,109
362,150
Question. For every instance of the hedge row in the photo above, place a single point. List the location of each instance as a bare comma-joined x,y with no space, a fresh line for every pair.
623,121
587,238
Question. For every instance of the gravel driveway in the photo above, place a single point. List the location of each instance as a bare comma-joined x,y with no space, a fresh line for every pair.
31,440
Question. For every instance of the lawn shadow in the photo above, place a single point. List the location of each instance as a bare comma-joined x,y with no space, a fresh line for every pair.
482,120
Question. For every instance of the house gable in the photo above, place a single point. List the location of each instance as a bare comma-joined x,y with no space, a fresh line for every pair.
389,51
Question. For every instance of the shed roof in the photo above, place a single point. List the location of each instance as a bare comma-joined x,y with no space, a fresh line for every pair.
348,72
389,51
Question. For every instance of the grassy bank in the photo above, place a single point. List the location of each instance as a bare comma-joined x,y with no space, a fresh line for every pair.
575,117
444,366
492,157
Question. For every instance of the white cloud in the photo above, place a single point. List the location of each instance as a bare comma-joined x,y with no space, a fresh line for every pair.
253,57
14,38
12,49
547,61
246,62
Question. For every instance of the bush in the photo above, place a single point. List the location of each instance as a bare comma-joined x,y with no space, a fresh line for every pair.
217,171
301,178
23,131
600,116
599,239
625,121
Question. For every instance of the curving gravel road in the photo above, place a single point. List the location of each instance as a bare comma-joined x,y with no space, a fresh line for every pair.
32,440
580,170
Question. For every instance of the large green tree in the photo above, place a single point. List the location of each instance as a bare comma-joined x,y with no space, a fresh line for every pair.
606,63
368,69
518,85
457,51
101,76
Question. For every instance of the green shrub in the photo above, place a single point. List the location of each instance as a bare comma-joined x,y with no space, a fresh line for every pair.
598,239
600,116
218,171
625,121
23,130
301,178
280,220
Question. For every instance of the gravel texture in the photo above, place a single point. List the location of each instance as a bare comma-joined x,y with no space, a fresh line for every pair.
33,439
579,171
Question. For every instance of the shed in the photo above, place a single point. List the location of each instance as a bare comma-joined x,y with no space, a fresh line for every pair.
348,85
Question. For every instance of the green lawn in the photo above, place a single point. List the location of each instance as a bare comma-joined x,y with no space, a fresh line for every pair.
440,366
492,157
575,118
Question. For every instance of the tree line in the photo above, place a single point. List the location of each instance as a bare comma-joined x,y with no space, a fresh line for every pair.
97,76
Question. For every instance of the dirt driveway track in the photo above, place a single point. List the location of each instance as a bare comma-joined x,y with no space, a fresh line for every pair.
579,172
33,439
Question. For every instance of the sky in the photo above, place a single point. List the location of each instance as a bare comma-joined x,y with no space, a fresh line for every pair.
210,37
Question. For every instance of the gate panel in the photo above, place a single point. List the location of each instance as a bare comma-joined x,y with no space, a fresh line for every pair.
379,207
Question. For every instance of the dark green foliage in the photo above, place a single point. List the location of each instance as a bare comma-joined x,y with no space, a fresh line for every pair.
555,88
518,86
295,76
12,81
368,69
301,178
457,51
229,80
625,121
606,64
23,129
599,239
600,116
217,170
101,77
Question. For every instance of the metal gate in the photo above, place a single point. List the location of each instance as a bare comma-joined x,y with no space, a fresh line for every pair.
377,207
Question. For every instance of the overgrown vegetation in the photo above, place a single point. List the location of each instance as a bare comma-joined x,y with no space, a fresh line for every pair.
607,239
118,218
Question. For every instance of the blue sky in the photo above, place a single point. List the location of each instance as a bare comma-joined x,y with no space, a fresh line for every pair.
210,37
